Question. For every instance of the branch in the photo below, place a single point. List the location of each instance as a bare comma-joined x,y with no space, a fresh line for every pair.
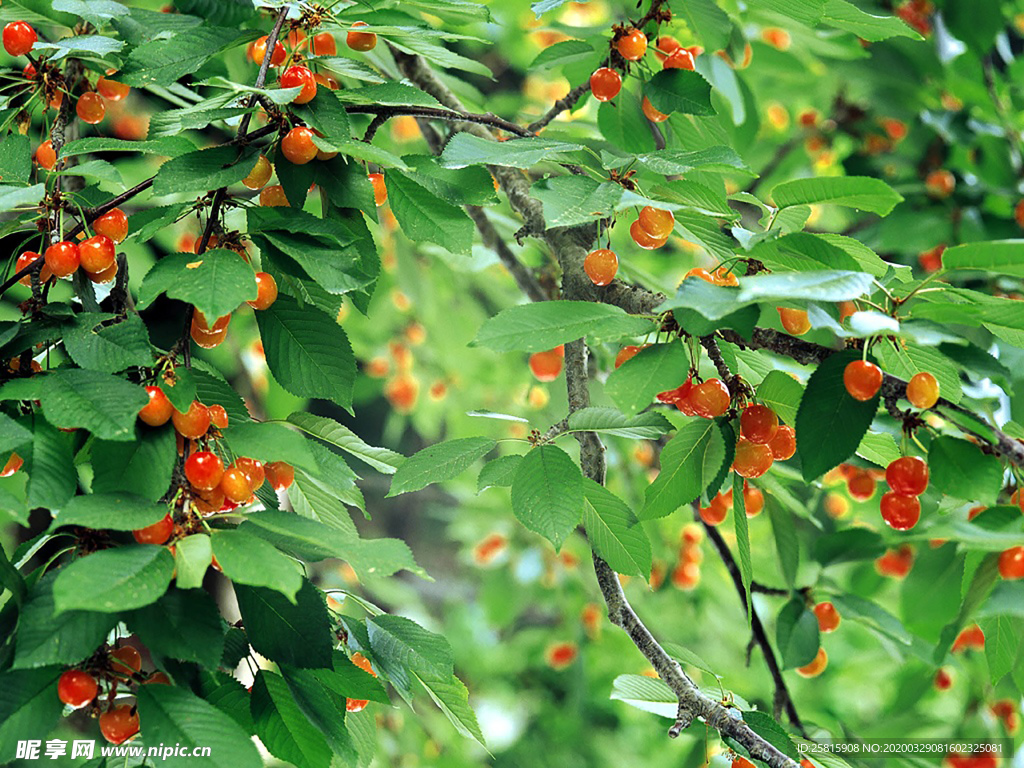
384,113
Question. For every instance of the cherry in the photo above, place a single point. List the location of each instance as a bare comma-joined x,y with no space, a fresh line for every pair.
258,52
111,90
943,679
632,45
644,240
158,410
931,260
260,173
90,108
547,365
828,616
119,724
125,660
194,422
113,224
361,41
332,84
681,59
758,423
710,399
723,276
157,533
106,276
940,183
907,475
896,563
208,502
861,485
207,339
200,322
751,459
1018,209
691,535
1011,564
13,464
628,352
62,258
204,470
923,390
296,39
26,258
656,222
46,156
380,190
700,273
601,266
297,146
357,705
279,475
970,637
324,44
795,321
297,76
402,392
900,512
679,396
783,443
753,501
218,416
273,196
77,688
651,113
816,667
266,291
253,469
157,678
715,512
19,37
96,254
605,84
741,762
777,38
686,576
236,485
665,46
862,380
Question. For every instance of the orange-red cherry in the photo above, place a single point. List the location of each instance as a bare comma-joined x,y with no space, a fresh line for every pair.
907,475
27,258
96,254
204,470
643,239
758,423
273,196
795,321
679,59
656,222
357,705
125,660
266,291
605,84
828,616
158,410
361,41
900,512
548,364
324,44
194,422
62,258
861,485
862,380
258,52
119,724
297,145
236,485
90,108
260,173
753,500
816,667
77,688
19,37
651,113
632,45
380,190
710,399
751,459
113,224
296,77
157,533
253,469
601,266
1011,564
923,390
279,474
628,352
46,156
111,90
783,443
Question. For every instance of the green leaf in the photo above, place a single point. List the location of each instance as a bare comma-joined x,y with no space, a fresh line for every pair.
248,559
382,459
706,20
572,200
765,726
300,536
165,60
283,728
12,434
873,616
646,694
609,421
184,625
847,16
28,706
562,53
171,146
452,698
204,169
177,716
216,282
12,198
462,186
229,12
796,635
782,393
786,543
269,441
142,467
830,423
879,448
114,580
547,493
438,463
614,531
465,149
807,12
1004,257
1002,644
322,707
861,192
308,353
545,325
396,640
114,512
930,595
689,462
15,159
52,478
346,679
498,473
680,90
654,369
289,633
90,45
670,162
110,348
959,469
739,517
424,217
192,557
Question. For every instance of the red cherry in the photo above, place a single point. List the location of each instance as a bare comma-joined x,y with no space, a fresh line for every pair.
361,41
266,291
357,705
111,90
632,45
204,470
258,52
279,475
943,679
90,108
900,512
297,76
651,113
896,563
547,365
324,44
644,240
861,485
657,223
157,533
923,390
125,660
119,724
715,512
96,254
753,501
701,274
680,59
605,84
828,616
795,321
46,156
113,224
218,416
62,258
1011,564
816,667
235,485
19,37
297,146
601,266
158,410
380,190
783,443
751,459
628,352
969,638
106,276
27,258
77,688
253,469
273,196
710,399
260,173
741,762
194,422
758,423
908,475
862,380
940,183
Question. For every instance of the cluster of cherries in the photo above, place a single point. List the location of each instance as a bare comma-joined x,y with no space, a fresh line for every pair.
96,256
650,231
828,621
686,574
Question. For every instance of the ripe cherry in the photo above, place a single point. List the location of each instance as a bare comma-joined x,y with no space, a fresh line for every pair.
218,416
157,678
111,90
686,576
402,392
931,260
715,512
548,364
46,156
361,41
380,190
656,222
601,266
157,533
207,339
644,240
651,113
907,475
783,443
753,500
628,352
194,422
665,46
751,459
279,474
253,469
701,274
678,396
1011,564
106,276
795,321
96,254
158,410
741,762
260,173
758,423
828,616
235,485
324,44
204,470
943,679
273,196
900,512
13,464
940,183
970,637
816,667
710,399
113,224
861,485
923,390
723,276
19,37
297,146
125,660
77,688
90,108
27,258
605,84
357,705
632,45
266,291
331,84
62,258
862,380
119,724
680,59
258,52
298,76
